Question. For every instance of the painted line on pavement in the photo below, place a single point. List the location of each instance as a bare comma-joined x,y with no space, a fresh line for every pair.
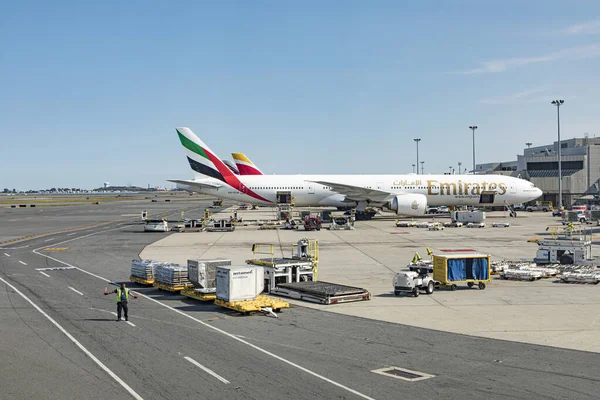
115,314
75,290
86,351
214,328
207,370
47,240
72,233
7,255
24,263
45,274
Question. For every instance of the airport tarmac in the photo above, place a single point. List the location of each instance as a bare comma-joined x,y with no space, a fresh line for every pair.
369,257
176,347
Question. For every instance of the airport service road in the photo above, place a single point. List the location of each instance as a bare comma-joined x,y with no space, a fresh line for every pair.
174,347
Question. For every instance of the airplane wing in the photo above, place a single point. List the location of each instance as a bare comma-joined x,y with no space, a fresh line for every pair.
358,193
201,185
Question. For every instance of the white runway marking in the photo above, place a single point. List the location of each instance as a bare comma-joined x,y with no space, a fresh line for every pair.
207,370
86,351
75,290
47,240
71,234
115,314
7,255
45,274
24,263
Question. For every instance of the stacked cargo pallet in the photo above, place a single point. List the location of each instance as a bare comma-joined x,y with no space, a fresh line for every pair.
580,274
173,275
144,269
521,273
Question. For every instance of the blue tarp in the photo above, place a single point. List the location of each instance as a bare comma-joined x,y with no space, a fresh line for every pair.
457,269
480,268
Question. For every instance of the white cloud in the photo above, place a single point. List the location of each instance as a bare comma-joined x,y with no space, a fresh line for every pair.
586,28
529,96
494,66
510,99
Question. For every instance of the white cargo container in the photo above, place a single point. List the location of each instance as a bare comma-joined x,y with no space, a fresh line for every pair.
156,226
468,216
202,273
239,283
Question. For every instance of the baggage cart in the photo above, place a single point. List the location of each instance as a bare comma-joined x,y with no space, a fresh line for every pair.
449,270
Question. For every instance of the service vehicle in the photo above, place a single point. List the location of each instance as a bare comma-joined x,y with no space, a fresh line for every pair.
573,216
312,222
413,282
544,206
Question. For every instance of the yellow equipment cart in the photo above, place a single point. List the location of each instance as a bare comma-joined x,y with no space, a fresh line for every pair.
470,268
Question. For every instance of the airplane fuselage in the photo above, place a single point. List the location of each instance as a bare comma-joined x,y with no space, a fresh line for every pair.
439,190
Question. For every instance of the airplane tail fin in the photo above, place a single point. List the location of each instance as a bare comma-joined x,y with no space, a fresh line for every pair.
202,160
244,165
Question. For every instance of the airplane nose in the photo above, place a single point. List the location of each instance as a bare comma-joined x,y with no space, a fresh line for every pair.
538,192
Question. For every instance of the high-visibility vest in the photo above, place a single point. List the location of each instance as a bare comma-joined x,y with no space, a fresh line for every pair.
119,294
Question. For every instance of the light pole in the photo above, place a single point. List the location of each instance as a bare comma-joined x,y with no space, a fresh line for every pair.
413,168
459,164
417,140
450,167
422,162
473,127
558,103
528,144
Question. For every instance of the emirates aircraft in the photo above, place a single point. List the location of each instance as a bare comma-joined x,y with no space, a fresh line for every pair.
406,194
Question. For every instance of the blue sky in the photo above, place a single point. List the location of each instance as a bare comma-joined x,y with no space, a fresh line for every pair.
93,91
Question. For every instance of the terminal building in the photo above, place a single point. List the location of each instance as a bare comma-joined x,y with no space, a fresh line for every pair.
580,163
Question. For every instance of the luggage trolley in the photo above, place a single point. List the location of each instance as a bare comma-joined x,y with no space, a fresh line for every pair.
470,268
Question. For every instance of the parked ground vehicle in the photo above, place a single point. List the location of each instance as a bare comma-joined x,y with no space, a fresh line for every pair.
579,217
544,206
557,212
413,282
312,222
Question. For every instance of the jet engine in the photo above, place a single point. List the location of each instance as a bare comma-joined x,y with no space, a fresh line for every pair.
409,204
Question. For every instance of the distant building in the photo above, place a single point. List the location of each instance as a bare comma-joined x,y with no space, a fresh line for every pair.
497,168
580,163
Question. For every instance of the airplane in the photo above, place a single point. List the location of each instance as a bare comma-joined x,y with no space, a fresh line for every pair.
244,165
232,167
406,194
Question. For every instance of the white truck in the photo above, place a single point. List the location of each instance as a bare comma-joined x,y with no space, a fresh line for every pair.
574,216
545,207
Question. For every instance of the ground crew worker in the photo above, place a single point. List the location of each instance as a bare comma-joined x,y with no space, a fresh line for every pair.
122,299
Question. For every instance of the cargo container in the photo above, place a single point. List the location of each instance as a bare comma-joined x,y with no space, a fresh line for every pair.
202,273
472,268
238,283
156,226
468,216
